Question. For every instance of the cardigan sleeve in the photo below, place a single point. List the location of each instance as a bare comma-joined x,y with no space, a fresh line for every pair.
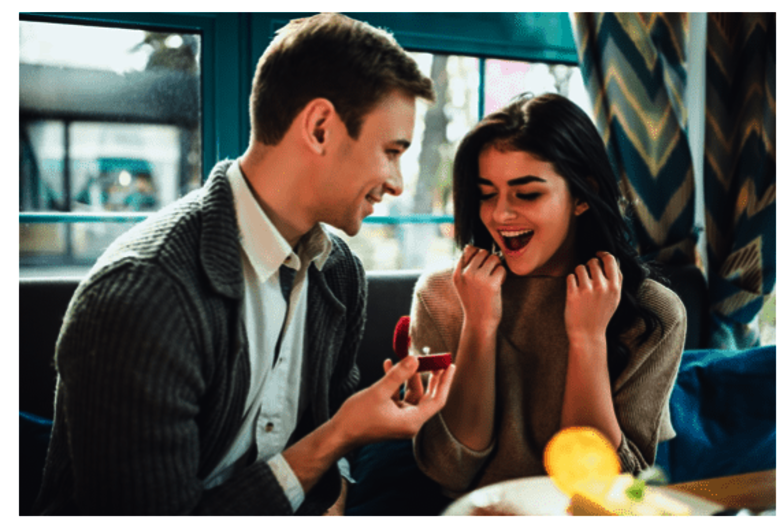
133,373
346,376
642,391
438,453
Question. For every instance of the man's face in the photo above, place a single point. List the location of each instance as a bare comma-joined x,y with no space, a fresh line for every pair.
363,170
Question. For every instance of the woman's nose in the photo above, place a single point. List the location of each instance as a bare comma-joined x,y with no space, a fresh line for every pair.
504,210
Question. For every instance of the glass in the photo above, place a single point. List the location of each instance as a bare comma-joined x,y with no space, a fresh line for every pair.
109,121
507,79
427,171
387,247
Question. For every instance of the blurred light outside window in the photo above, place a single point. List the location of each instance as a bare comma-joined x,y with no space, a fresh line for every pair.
109,124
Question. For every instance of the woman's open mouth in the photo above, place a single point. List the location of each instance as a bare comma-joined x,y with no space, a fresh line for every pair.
515,241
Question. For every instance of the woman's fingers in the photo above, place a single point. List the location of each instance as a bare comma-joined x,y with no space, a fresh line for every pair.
596,272
468,254
583,277
611,269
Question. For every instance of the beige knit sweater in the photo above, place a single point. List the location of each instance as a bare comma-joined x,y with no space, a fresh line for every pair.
532,349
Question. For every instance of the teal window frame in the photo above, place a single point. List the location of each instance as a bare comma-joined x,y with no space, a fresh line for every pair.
231,44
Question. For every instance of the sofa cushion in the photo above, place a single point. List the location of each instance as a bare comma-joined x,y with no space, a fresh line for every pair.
723,410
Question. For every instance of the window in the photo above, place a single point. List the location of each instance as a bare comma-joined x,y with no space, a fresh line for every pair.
109,128
113,122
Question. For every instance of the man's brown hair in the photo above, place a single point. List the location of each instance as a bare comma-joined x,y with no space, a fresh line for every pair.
348,62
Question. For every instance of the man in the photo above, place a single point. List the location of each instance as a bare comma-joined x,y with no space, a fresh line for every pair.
206,363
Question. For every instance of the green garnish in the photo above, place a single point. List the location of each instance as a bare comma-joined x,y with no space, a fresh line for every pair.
636,491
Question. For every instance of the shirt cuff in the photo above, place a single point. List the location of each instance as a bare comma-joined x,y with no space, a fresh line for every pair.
287,479
345,471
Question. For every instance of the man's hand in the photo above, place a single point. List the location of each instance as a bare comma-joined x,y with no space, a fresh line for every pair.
370,415
338,508
377,413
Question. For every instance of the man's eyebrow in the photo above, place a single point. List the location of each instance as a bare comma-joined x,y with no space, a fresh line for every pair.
403,143
519,181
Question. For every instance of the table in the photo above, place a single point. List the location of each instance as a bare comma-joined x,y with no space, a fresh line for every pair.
539,496
754,491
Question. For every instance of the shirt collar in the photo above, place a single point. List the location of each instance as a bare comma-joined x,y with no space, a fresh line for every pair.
263,244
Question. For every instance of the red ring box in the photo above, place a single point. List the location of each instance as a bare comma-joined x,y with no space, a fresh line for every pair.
401,349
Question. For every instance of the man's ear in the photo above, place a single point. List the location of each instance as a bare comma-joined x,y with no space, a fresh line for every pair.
317,119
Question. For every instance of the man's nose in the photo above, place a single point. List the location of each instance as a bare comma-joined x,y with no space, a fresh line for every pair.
394,185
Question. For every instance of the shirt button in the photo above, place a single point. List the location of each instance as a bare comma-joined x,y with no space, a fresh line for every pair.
269,427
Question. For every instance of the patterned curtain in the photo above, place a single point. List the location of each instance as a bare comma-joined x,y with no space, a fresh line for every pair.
740,169
634,66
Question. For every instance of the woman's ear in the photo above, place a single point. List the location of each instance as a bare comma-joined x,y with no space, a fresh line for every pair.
580,206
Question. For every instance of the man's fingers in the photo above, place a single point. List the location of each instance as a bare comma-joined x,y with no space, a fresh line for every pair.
438,390
397,375
414,389
387,365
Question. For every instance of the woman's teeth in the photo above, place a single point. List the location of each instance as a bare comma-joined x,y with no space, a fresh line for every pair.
516,240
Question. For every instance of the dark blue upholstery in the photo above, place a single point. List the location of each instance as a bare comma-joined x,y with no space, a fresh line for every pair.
389,483
723,407
34,433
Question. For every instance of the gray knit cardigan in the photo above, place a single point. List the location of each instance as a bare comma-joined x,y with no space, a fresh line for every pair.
153,370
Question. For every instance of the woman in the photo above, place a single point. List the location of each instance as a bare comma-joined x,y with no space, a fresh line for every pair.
550,315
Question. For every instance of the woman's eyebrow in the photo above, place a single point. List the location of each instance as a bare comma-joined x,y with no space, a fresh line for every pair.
524,180
519,181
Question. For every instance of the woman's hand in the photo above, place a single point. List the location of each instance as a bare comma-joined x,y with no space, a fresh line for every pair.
478,277
592,297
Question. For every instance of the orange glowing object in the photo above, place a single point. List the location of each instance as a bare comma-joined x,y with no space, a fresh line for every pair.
578,456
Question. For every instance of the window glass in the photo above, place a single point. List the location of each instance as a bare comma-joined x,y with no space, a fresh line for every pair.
507,79
109,121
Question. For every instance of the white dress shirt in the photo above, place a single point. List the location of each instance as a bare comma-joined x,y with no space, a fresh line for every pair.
276,394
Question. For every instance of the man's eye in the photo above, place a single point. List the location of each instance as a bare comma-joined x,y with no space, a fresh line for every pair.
486,196
527,196
394,153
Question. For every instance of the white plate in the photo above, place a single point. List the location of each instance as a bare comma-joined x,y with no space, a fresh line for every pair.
539,496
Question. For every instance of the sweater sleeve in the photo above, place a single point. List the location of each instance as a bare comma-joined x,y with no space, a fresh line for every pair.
641,393
438,453
132,370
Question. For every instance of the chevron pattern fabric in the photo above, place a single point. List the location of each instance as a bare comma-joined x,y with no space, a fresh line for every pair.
740,170
634,69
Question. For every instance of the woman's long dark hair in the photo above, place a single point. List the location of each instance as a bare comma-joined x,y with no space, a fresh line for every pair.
555,130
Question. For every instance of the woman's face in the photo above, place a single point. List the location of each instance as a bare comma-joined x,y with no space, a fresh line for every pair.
528,209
